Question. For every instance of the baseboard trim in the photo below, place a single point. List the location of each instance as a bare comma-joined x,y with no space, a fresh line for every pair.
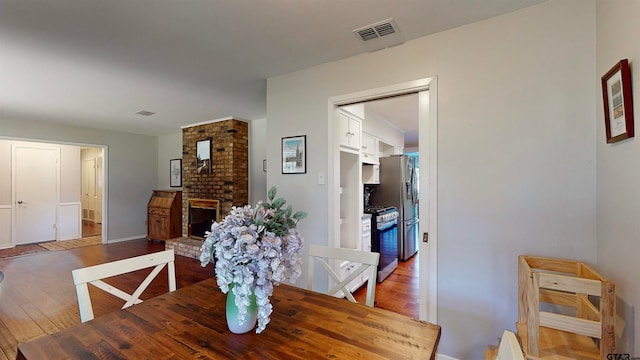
444,357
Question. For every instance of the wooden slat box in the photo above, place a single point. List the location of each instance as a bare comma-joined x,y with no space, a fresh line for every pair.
590,334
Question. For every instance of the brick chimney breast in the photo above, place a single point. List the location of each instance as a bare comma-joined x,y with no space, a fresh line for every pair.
229,178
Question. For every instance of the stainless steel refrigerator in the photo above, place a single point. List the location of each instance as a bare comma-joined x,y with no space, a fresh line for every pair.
398,188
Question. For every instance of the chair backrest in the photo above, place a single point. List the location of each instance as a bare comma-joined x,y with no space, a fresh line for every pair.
93,275
509,348
368,261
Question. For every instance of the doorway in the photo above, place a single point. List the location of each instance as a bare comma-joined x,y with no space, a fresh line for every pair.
43,198
427,117
91,191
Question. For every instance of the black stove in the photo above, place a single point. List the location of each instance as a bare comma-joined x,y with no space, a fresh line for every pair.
384,237
375,209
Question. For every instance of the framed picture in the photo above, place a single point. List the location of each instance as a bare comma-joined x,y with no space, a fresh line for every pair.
203,154
294,155
618,102
175,172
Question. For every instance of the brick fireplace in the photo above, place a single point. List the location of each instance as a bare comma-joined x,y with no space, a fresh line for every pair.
227,184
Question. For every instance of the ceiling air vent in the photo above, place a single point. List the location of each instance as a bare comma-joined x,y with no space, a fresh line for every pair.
144,113
374,31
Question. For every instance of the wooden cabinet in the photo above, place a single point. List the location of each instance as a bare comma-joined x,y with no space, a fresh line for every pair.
350,131
164,215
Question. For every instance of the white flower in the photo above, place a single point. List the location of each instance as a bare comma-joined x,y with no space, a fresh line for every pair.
254,249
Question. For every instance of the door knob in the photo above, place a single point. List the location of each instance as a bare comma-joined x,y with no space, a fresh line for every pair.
20,202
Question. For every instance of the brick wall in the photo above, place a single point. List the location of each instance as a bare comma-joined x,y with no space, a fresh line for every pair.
229,178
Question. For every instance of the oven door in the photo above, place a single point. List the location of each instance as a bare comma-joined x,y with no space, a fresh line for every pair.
387,244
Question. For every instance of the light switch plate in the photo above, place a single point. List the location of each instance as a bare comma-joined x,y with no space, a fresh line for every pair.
321,178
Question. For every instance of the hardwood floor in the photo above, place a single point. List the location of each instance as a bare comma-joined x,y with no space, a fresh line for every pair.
37,295
399,292
90,228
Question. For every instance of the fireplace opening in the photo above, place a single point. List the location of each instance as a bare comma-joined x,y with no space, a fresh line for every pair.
202,213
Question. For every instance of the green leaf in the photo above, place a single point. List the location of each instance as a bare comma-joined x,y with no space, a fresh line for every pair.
272,193
288,211
299,215
278,203
291,223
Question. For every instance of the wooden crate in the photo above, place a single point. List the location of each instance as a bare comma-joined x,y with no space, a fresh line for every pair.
590,334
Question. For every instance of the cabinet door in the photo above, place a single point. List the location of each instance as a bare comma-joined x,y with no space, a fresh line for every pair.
355,126
345,134
158,227
369,149
350,131
346,269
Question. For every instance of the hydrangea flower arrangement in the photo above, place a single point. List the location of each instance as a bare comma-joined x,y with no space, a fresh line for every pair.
255,248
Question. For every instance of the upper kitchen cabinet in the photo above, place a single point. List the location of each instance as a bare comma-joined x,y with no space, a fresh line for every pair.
369,149
350,131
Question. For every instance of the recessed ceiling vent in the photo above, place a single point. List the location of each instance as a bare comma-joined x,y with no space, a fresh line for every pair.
144,113
377,30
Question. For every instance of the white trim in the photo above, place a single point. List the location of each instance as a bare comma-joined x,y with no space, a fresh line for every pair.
428,310
444,357
6,213
376,93
212,121
78,234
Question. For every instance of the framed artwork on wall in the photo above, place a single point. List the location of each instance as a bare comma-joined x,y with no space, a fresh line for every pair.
294,154
175,172
203,156
618,102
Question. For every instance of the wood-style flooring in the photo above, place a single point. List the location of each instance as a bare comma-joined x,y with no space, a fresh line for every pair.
37,295
399,291
90,228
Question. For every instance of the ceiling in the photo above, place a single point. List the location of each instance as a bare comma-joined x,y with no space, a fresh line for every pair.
95,63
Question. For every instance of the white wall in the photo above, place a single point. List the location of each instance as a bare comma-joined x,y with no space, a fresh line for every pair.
516,152
132,169
258,152
618,174
169,147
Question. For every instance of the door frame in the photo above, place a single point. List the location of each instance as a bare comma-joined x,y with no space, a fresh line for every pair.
428,254
105,179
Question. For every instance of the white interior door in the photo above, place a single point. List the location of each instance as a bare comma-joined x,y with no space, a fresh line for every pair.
36,193
99,174
88,189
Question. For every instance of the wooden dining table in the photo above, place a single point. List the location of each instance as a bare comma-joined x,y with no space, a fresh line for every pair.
190,323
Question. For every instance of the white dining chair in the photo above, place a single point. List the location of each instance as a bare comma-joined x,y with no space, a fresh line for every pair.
509,348
368,262
93,275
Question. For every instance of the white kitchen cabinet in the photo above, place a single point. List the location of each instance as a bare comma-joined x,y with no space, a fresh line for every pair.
369,149
350,131
365,244
346,269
